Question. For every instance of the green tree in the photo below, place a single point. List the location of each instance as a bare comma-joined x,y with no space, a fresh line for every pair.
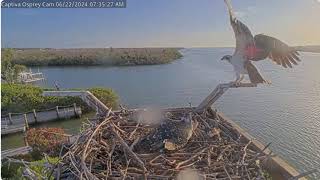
6,58
106,96
6,66
10,71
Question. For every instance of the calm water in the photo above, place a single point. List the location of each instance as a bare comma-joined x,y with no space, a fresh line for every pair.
71,126
286,113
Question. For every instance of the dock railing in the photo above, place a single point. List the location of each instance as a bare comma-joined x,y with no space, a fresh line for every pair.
19,122
86,96
29,77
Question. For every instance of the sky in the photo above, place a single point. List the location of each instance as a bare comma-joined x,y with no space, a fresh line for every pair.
160,23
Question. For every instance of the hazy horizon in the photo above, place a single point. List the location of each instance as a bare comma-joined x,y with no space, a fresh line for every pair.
180,23
316,45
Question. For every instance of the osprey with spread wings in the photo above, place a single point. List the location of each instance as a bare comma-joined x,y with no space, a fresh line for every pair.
259,47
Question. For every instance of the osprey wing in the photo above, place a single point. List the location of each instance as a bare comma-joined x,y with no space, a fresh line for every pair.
243,35
276,50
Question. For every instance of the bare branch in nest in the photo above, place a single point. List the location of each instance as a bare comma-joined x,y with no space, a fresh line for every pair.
245,151
218,92
127,148
102,151
191,158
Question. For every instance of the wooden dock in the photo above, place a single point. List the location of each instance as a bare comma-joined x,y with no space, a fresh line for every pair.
19,122
86,96
30,77
27,149
15,151
11,129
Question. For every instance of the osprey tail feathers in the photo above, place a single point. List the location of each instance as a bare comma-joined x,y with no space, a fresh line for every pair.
254,75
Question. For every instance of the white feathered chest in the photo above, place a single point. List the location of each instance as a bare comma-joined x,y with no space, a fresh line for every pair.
238,62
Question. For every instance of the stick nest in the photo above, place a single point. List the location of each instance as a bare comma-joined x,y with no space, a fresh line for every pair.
215,151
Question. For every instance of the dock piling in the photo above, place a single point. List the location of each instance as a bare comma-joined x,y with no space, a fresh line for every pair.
25,140
57,110
26,121
75,109
35,116
10,118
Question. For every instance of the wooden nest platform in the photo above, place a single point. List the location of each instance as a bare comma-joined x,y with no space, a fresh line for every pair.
106,149
181,143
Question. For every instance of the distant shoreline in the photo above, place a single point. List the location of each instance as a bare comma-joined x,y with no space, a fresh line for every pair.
94,56
314,49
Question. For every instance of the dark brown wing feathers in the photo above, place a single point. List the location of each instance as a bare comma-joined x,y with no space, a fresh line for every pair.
254,75
276,50
292,60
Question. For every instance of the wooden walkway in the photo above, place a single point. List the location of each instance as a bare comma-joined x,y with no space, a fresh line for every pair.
28,149
16,151
19,122
30,77
11,129
86,96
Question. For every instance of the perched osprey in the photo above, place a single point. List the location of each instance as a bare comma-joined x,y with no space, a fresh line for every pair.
259,47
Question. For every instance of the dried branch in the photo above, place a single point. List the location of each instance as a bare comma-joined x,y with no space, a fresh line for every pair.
102,151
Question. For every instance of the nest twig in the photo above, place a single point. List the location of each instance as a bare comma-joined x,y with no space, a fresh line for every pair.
104,150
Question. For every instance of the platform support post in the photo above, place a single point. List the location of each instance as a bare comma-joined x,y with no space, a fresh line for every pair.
10,118
218,92
35,116
57,110
26,121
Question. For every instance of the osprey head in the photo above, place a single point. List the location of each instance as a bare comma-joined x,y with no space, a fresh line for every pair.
226,57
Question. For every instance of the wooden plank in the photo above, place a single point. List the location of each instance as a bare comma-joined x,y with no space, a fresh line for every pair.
86,96
10,118
57,111
26,123
276,165
218,92
35,116
13,129
97,103
24,120
64,93
16,151
32,80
